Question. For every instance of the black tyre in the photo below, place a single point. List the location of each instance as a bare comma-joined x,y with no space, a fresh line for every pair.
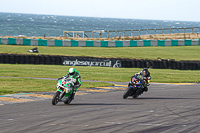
127,92
135,96
68,101
137,93
55,99
70,98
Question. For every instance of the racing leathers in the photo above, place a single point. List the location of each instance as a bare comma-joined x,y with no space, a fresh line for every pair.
76,79
143,79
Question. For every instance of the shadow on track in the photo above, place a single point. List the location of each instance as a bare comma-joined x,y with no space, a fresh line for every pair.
167,98
92,104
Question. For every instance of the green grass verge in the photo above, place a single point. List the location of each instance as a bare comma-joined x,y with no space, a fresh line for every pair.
9,85
173,52
98,73
93,73
23,85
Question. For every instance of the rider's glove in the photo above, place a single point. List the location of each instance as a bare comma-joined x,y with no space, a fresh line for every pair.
73,80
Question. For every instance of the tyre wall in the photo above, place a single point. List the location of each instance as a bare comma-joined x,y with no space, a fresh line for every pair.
92,61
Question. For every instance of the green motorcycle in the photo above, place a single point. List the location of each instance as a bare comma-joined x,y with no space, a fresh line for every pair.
65,91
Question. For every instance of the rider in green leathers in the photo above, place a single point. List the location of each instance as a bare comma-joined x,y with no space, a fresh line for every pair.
75,75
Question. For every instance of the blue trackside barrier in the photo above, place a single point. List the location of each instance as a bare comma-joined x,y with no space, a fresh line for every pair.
98,43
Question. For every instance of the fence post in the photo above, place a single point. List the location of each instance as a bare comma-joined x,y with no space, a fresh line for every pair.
162,31
155,31
83,34
67,33
92,34
184,32
170,30
177,30
107,34
192,29
115,33
132,32
100,34
147,31
139,32
124,33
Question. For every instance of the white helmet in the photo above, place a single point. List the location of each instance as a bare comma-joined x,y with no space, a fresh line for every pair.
72,72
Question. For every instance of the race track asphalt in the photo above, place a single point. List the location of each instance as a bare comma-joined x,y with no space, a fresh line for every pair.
165,108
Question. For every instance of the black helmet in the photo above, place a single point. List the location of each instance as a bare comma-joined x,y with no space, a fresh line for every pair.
145,72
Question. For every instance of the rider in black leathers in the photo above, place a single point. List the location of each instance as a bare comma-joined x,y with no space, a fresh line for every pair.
145,78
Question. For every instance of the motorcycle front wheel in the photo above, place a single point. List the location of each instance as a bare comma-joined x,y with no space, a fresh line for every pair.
127,92
55,99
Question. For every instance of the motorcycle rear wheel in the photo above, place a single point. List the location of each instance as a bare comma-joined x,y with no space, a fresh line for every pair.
137,93
70,98
68,101
135,96
55,99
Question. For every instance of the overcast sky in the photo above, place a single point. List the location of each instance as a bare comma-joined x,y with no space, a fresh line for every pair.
182,10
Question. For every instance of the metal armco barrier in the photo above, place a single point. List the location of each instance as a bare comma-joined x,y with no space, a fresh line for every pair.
103,62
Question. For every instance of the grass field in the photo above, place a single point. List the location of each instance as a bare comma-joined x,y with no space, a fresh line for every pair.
173,52
15,85
98,73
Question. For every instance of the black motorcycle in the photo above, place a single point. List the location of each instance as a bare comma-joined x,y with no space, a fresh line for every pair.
135,87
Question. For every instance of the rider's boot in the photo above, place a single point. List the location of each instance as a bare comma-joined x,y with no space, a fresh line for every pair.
72,96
